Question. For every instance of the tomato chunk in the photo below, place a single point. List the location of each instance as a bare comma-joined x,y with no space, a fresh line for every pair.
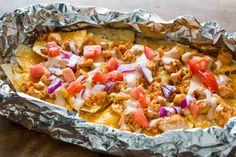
36,70
196,65
149,52
68,75
143,101
209,80
137,92
194,109
53,49
112,64
101,78
74,87
116,76
140,119
91,51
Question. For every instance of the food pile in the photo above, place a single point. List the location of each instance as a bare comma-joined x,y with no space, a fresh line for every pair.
136,84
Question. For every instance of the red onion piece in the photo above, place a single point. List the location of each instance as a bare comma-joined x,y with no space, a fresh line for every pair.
167,111
177,110
98,88
110,86
163,112
126,68
73,47
65,54
186,101
55,71
52,77
84,93
81,78
147,74
74,60
56,83
168,90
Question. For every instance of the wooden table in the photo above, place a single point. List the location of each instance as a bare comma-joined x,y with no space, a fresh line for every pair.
16,141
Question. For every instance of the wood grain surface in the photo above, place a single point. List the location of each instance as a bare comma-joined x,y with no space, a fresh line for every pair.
16,141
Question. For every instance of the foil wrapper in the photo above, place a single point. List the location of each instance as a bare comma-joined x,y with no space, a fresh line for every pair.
23,25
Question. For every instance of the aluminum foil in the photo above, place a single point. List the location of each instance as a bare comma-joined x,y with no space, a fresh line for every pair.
23,25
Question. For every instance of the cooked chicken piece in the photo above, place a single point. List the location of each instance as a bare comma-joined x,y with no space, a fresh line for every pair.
222,114
155,86
172,66
169,123
86,63
66,45
36,93
26,85
128,57
117,108
100,99
224,57
199,93
226,91
107,53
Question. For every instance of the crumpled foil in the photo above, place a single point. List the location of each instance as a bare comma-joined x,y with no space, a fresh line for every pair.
23,25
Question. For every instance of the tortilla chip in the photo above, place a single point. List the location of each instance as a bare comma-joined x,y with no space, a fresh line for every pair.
14,78
38,45
26,57
107,117
152,42
78,37
109,34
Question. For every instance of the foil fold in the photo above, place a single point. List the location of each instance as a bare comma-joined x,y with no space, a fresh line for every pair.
23,25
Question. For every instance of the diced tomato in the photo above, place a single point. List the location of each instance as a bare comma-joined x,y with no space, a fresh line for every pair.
91,51
140,119
196,65
194,109
53,49
116,76
36,70
74,87
209,80
112,64
101,78
137,92
68,75
143,101
149,52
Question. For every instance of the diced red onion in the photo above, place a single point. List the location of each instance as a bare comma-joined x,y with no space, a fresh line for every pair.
126,68
167,111
73,47
65,54
74,69
177,109
110,86
186,101
74,59
56,83
168,90
163,112
147,74
98,88
85,93
81,78
52,77
55,71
